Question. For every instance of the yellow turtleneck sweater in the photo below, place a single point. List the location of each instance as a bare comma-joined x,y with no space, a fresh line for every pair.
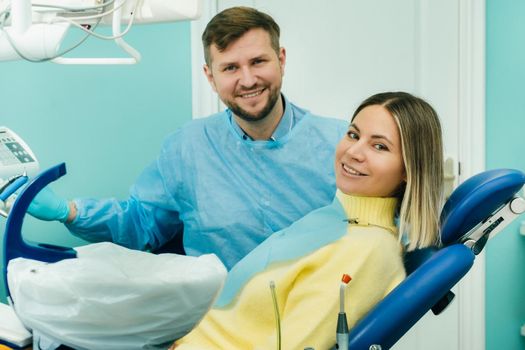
308,288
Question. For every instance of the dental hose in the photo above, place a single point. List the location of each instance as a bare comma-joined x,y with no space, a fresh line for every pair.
277,315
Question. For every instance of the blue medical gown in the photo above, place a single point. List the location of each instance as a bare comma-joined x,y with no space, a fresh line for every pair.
229,193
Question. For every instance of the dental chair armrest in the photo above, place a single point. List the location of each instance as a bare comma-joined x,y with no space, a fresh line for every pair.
411,299
413,260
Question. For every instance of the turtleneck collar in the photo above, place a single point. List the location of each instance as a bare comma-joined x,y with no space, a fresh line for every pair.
365,211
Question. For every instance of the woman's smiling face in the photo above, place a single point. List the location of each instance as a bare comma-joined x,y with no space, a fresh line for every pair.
369,160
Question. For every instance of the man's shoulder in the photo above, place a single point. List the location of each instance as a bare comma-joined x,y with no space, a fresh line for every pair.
328,120
316,118
328,125
213,120
199,126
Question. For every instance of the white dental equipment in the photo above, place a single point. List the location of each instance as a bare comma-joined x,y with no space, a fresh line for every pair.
17,162
35,30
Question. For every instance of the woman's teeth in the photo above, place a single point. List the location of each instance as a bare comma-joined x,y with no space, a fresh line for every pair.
351,171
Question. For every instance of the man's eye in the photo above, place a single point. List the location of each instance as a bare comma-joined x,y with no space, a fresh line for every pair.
258,61
229,68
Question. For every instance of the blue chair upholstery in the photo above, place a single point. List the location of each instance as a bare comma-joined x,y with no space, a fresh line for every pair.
432,273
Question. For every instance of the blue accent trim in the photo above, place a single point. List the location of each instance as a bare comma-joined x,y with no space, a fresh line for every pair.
13,187
14,244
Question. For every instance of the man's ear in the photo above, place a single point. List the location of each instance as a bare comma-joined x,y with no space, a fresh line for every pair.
209,76
282,59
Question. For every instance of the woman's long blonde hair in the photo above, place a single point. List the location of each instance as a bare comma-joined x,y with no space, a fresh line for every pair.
422,148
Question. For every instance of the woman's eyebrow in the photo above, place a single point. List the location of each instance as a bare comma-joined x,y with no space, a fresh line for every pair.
383,138
375,136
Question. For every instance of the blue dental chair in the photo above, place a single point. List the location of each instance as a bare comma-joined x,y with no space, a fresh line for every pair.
477,210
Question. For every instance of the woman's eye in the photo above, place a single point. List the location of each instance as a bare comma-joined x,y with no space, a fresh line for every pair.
352,135
380,147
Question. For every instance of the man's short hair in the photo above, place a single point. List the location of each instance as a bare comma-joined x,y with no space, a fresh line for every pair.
230,24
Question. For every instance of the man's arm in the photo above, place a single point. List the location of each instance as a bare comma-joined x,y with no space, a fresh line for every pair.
147,219
48,206
72,212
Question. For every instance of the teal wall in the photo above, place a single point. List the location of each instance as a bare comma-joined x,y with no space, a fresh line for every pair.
105,122
505,125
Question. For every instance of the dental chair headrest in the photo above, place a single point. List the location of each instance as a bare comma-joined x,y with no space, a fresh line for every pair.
476,199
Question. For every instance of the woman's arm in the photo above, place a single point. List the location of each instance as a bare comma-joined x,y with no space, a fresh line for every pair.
309,313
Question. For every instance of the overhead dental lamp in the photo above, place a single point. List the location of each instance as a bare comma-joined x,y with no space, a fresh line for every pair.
35,30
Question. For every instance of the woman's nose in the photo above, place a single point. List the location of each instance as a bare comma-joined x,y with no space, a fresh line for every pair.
356,151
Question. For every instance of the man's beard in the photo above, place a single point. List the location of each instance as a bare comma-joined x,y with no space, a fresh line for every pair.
250,117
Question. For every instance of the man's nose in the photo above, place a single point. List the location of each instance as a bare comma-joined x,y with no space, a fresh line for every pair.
248,78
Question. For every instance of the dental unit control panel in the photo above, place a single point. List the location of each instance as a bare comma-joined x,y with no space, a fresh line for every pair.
15,155
17,164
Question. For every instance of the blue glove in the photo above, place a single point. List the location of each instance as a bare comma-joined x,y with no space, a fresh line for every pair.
48,206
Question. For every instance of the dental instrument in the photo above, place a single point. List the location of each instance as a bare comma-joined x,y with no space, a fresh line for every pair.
10,187
342,323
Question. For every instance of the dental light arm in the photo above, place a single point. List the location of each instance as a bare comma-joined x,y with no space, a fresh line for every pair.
34,30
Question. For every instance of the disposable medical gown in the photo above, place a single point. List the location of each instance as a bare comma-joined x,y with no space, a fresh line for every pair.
227,191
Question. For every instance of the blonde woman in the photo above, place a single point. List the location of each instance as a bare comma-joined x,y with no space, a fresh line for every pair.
388,165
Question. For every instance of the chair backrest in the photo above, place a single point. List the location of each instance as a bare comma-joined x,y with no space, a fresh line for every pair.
432,273
476,199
